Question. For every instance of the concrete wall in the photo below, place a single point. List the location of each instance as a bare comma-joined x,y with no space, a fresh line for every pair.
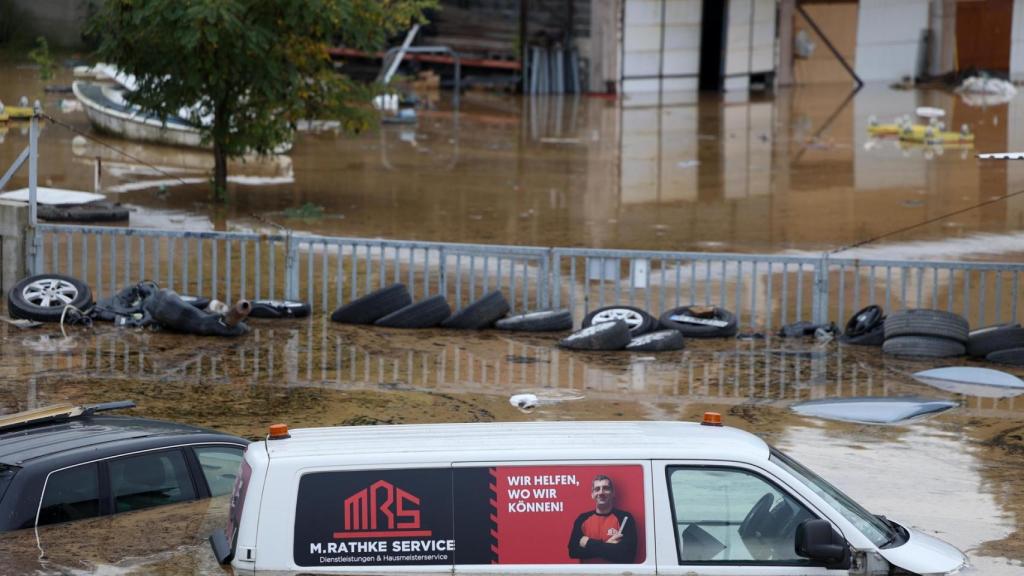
888,38
749,41
660,45
60,21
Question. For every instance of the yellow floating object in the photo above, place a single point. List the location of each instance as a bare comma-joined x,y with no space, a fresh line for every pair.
4,117
931,135
19,112
884,129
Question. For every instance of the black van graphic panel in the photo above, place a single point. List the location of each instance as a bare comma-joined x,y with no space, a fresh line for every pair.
549,514
374,518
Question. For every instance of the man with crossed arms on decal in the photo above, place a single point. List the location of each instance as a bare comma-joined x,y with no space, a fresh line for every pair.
607,534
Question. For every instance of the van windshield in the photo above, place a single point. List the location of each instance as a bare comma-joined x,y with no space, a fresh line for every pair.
876,529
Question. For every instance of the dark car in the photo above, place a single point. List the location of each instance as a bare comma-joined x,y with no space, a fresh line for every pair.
67,463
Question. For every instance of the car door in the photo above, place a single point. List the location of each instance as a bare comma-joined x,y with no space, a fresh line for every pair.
728,519
554,517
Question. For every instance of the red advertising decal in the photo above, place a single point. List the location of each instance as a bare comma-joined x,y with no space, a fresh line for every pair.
382,510
569,514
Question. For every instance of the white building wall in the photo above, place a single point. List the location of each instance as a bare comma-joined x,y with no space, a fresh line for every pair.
888,38
1017,42
749,41
660,45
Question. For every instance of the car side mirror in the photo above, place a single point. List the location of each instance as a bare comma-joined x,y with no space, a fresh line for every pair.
818,540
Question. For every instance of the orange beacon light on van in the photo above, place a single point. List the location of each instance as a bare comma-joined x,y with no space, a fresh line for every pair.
278,432
712,419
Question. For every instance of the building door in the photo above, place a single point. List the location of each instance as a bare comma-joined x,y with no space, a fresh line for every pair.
983,34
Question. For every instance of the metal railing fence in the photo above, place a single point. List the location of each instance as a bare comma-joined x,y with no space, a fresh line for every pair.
764,291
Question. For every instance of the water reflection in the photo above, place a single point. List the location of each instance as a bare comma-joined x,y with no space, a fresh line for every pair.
686,172
319,354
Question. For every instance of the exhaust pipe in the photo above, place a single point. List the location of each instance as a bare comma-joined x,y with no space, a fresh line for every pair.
237,313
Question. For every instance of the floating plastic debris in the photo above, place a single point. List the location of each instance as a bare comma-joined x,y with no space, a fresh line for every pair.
873,410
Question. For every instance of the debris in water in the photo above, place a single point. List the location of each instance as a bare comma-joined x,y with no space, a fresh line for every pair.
873,409
688,164
524,402
970,381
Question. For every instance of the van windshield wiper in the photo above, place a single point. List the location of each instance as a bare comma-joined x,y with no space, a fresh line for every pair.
895,530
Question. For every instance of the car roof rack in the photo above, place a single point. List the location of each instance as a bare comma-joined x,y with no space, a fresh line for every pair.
58,413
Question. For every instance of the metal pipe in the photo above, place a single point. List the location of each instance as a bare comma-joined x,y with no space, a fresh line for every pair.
237,313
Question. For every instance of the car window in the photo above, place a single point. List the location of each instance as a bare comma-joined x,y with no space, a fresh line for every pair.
71,494
731,515
220,467
150,479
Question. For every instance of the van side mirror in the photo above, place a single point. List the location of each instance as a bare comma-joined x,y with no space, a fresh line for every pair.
818,540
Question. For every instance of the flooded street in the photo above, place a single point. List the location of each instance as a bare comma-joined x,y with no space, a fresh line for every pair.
792,173
796,172
963,467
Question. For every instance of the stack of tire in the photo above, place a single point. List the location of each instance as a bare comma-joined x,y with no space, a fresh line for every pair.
633,329
1003,343
925,333
393,307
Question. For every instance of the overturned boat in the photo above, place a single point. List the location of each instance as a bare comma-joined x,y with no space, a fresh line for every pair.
108,111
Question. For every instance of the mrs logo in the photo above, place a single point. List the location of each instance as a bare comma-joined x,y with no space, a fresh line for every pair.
382,510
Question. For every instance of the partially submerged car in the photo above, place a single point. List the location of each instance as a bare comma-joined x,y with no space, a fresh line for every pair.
62,463
553,498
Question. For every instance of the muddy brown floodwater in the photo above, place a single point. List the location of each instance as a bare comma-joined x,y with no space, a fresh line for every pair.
795,172
959,474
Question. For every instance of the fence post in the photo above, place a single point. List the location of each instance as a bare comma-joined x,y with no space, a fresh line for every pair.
556,278
819,305
291,268
442,276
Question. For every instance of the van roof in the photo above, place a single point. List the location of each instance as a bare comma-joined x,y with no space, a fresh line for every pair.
481,442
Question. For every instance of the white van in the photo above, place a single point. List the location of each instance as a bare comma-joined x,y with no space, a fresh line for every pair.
553,498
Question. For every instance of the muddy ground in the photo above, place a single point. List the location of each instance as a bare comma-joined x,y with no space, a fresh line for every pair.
959,474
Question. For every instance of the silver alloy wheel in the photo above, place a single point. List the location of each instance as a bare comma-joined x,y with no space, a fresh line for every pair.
50,293
632,318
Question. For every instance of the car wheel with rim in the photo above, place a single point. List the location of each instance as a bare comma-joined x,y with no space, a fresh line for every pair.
638,321
43,297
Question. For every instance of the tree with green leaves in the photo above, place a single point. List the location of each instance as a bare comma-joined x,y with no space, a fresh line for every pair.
247,70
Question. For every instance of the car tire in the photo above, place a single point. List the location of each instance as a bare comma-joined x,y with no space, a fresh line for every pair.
373,306
864,320
43,297
657,341
638,320
542,321
700,330
923,346
278,309
874,337
480,314
426,313
924,322
1012,356
985,341
602,336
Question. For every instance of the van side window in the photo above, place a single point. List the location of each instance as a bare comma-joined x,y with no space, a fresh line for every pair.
150,479
72,494
220,467
733,516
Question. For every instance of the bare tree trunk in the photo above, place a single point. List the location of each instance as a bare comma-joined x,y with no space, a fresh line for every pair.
220,173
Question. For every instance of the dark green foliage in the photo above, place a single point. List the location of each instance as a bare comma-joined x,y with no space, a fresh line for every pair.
254,66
